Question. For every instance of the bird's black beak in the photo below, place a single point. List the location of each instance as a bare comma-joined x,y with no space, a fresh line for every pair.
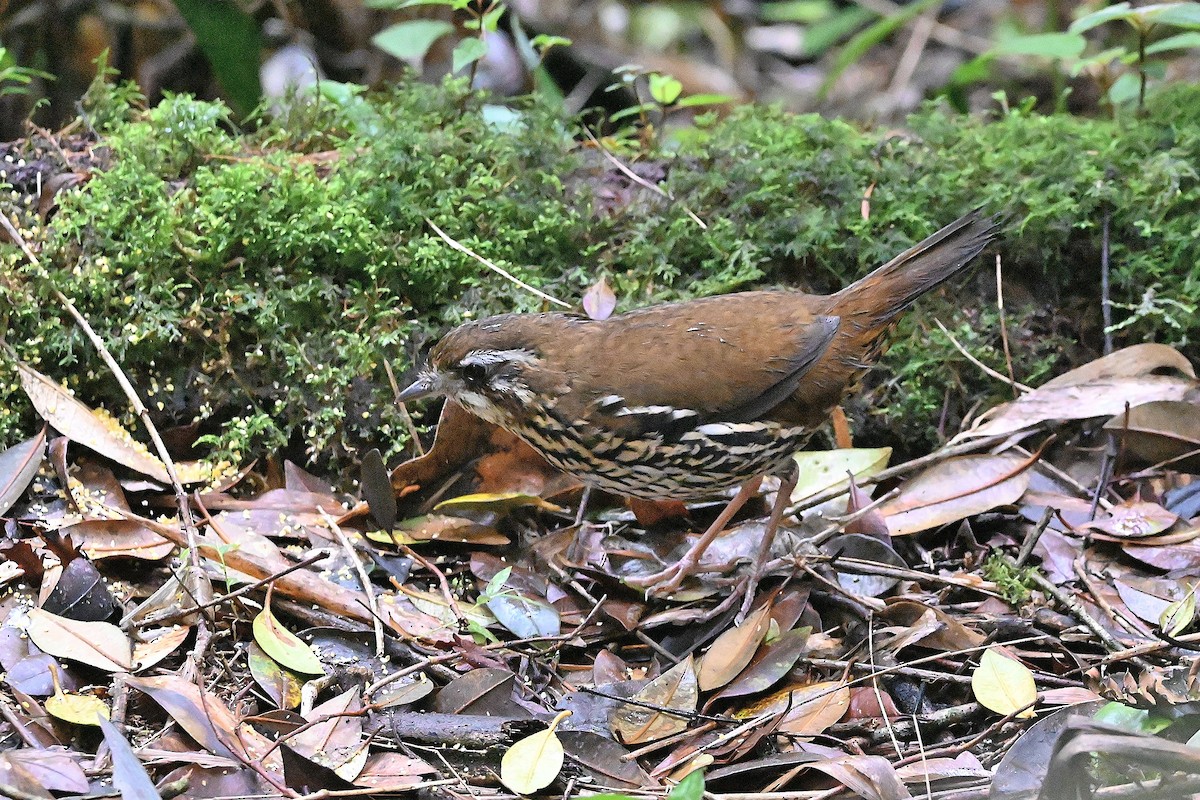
422,387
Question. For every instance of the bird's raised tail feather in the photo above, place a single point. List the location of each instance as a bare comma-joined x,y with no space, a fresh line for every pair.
876,300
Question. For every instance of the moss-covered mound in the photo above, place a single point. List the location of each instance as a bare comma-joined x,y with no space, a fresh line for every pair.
258,281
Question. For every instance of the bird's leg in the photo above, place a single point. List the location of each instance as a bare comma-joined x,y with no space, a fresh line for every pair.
670,579
787,483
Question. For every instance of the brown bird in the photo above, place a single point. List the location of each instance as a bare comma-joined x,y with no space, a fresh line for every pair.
685,399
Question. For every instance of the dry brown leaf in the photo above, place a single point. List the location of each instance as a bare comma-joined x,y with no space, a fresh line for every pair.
157,645
90,428
1104,397
732,650
868,777
98,644
956,489
335,737
675,689
1166,431
815,707
1133,520
18,465
127,538
1128,362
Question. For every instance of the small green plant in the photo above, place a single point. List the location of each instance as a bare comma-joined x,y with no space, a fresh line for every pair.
411,40
1014,585
1121,71
657,95
15,79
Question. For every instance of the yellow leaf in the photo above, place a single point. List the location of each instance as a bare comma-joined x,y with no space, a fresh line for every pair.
283,645
1004,685
533,763
498,502
78,709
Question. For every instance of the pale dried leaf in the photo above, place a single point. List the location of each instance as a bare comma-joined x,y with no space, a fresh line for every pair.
91,428
98,644
956,489
1003,685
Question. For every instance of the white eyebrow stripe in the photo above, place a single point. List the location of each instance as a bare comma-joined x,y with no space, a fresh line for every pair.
487,358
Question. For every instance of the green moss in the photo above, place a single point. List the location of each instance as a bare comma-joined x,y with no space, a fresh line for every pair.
258,281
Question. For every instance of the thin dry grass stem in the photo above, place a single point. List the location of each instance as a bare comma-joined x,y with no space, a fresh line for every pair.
363,580
408,420
1012,376
445,237
887,721
1015,384
639,180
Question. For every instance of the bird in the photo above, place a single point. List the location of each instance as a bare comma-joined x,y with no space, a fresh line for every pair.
685,400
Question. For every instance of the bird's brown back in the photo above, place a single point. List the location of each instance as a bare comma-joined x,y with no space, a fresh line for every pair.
719,355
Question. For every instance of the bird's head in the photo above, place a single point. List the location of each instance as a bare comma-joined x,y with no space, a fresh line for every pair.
492,367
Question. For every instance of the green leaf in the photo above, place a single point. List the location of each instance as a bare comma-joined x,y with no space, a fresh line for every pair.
632,111
411,40
496,585
491,20
1181,15
1098,18
1046,45
544,41
1180,41
1137,720
828,32
690,788
467,52
664,89
230,40
1125,89
284,646
693,100
803,11
858,46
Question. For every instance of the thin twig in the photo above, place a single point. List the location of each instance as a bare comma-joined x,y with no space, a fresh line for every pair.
1012,376
494,267
997,375
1105,297
408,420
1032,539
363,580
639,180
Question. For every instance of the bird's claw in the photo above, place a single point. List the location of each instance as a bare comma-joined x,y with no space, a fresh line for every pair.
663,583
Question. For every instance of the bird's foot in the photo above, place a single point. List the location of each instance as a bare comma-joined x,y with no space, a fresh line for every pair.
667,581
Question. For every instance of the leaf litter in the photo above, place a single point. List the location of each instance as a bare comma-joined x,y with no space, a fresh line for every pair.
914,621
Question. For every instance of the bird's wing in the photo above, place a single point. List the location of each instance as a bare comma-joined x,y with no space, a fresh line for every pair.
730,358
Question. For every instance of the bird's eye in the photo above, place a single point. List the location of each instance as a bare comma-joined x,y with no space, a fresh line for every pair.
474,374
